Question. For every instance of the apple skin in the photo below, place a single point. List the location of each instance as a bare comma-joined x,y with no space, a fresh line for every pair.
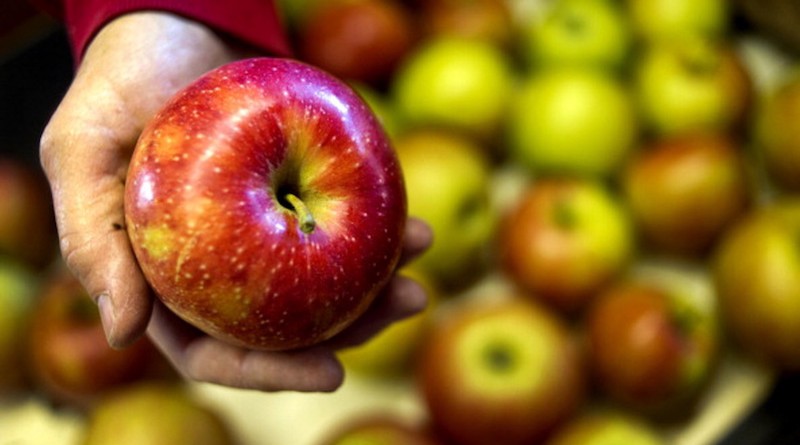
692,85
606,427
554,125
565,240
27,222
660,20
459,83
209,217
68,355
757,275
489,20
156,414
580,33
503,370
447,181
651,346
684,191
379,429
775,136
386,33
19,287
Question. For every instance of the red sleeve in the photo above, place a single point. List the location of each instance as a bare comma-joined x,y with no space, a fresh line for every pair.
255,22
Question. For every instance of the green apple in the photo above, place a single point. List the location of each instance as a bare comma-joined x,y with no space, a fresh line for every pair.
156,414
757,275
565,240
583,33
692,85
455,82
776,135
500,369
607,427
570,120
447,180
18,288
391,353
670,19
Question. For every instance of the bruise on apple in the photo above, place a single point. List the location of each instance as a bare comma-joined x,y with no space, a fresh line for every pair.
265,204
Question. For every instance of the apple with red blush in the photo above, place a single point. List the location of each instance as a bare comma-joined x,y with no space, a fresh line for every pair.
363,40
652,341
685,191
27,223
69,357
379,428
565,240
487,20
775,136
500,369
266,205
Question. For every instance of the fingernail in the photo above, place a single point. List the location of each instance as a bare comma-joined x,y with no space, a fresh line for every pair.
106,308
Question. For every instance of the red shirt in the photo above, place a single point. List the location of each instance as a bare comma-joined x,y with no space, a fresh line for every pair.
255,22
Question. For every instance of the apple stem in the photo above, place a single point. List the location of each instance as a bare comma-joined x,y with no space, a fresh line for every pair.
307,223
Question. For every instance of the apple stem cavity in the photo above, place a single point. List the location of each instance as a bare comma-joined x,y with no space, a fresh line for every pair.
307,223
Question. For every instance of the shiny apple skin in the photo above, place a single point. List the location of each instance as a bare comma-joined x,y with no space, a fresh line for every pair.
210,232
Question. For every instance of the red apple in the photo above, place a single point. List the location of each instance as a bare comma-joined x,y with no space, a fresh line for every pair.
266,205
500,371
362,40
156,414
488,20
565,240
685,191
378,429
652,345
68,353
776,137
27,224
757,275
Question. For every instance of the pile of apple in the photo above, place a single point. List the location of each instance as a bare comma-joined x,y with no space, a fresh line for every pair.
613,192
53,349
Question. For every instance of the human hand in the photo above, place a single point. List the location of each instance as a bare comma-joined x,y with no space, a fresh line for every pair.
133,65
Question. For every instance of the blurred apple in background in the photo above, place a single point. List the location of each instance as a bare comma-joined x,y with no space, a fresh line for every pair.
684,191
757,274
573,121
455,82
658,20
580,33
447,183
27,224
378,429
565,240
607,427
653,344
692,85
156,414
18,291
776,136
70,360
362,40
392,352
489,20
502,370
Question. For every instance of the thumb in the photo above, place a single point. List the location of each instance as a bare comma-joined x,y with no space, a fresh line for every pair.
86,174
